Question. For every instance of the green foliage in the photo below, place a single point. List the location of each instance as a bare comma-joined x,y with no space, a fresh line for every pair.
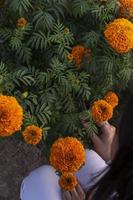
43,18
22,76
4,76
20,6
39,40
5,33
79,7
34,67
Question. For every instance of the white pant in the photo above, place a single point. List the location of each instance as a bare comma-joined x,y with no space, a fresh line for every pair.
42,183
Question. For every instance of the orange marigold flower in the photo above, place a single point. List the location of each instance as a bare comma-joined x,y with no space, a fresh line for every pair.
11,116
101,111
67,155
32,134
78,53
119,35
22,22
126,8
112,99
68,181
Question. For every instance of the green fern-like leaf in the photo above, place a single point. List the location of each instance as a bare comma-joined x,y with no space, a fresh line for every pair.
20,6
43,114
68,104
24,53
5,33
84,90
107,63
39,40
43,19
61,39
79,7
22,76
29,119
3,70
91,39
125,75
4,77
70,122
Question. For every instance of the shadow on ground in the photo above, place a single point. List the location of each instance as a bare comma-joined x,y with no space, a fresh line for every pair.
17,159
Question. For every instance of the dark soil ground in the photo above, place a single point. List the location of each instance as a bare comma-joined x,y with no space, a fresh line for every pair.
17,159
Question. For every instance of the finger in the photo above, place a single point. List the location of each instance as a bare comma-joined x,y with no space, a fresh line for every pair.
80,191
85,124
74,194
67,195
63,197
83,118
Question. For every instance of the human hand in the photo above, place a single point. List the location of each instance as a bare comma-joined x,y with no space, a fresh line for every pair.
102,143
75,194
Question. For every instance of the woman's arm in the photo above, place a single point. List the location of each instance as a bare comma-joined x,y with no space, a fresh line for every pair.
102,146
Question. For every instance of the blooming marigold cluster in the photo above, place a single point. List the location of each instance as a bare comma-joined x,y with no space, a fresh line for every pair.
101,111
32,134
67,155
78,54
126,8
22,22
11,116
112,99
68,181
119,35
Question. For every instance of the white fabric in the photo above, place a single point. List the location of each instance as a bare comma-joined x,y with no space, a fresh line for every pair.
42,183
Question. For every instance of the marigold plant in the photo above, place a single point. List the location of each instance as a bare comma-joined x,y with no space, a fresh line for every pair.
112,99
67,155
32,134
22,22
68,181
119,35
11,115
101,111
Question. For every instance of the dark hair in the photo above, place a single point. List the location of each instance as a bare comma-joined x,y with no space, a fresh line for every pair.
119,178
